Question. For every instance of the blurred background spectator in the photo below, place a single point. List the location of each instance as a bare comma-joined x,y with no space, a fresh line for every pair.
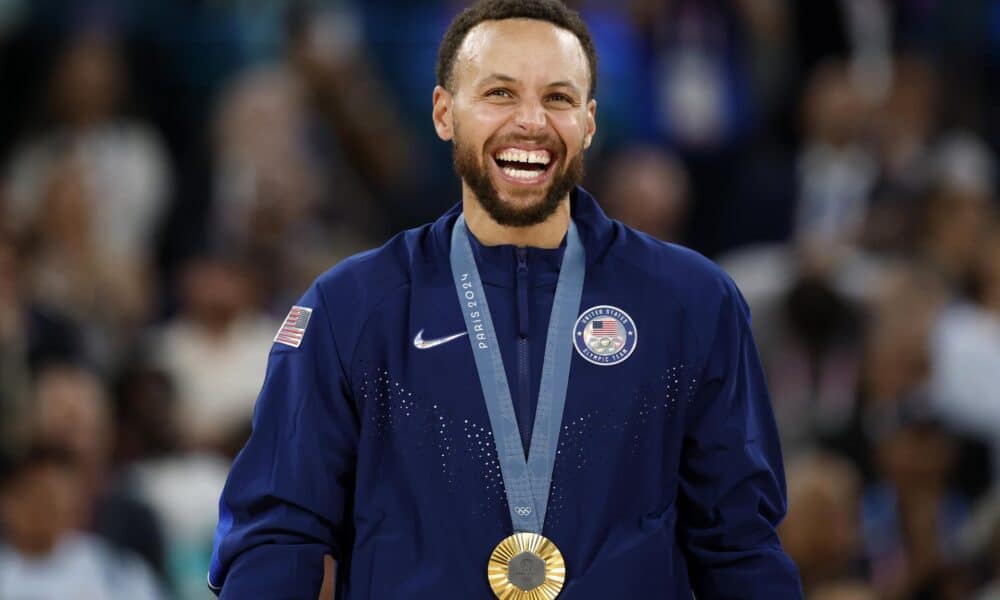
823,530
211,350
173,174
87,190
42,554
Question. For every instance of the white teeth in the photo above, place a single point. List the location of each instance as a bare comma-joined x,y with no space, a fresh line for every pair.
520,174
538,156
541,157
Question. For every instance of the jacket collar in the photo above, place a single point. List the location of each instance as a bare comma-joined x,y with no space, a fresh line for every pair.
498,264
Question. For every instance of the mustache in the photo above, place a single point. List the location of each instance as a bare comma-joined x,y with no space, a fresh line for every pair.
550,142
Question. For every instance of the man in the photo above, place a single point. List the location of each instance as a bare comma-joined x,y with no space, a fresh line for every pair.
468,410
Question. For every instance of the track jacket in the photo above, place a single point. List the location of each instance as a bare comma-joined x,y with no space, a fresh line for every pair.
371,439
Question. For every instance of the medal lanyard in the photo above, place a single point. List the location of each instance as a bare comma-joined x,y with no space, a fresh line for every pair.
527,482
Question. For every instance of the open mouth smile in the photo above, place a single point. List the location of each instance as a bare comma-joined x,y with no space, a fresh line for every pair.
524,167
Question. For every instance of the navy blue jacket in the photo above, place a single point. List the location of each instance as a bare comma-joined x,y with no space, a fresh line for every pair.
668,478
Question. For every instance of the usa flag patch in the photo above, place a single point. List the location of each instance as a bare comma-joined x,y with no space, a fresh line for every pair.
294,327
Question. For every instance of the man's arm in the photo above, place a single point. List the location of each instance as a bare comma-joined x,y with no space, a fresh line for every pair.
285,502
732,491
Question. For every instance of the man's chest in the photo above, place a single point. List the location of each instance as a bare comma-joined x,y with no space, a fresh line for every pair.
420,400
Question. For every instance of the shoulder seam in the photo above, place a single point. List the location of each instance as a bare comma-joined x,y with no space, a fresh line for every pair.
364,326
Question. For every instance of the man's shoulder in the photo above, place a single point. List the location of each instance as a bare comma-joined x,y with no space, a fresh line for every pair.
694,280
360,280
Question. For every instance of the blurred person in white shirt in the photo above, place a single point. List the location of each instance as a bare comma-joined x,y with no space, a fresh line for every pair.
215,349
43,554
966,354
91,188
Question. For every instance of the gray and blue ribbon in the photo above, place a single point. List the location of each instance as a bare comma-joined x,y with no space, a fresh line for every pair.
527,481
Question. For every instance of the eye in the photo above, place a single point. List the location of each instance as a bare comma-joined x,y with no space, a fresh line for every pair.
560,97
499,93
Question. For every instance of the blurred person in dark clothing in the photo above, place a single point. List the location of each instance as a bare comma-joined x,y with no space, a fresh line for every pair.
837,170
214,349
14,376
146,423
822,532
30,335
70,408
992,592
811,351
855,31
953,223
647,189
933,177
43,554
702,104
962,38
983,540
906,123
895,356
913,514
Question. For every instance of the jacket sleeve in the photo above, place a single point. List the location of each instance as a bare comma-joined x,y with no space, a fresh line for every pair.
732,483
286,501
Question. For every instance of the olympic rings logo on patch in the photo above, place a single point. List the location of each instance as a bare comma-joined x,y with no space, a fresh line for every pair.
605,335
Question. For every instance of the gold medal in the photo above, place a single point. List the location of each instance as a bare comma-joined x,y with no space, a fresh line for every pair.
526,566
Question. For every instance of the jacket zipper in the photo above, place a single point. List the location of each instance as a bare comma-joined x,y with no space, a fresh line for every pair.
523,365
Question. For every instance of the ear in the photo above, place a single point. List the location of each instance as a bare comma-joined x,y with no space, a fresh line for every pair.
441,113
591,123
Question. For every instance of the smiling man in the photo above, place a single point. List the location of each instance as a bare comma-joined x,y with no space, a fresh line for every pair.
468,410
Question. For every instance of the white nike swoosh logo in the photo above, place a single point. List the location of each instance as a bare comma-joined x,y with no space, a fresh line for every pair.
421,344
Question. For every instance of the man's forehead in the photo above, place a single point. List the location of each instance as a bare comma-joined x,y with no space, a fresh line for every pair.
502,46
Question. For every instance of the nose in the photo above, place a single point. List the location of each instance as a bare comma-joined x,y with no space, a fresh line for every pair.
531,117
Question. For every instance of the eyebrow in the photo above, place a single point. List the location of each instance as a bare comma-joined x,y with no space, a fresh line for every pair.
497,77
509,79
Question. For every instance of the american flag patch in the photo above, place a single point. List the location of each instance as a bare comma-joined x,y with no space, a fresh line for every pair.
604,328
294,327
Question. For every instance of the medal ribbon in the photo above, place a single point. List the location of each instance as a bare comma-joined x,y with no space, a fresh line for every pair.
527,482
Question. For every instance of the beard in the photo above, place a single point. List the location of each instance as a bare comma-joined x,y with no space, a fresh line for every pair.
505,212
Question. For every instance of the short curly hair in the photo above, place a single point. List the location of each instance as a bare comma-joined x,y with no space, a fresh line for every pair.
551,11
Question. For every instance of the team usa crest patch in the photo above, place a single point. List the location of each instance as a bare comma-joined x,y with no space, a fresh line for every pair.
294,327
605,335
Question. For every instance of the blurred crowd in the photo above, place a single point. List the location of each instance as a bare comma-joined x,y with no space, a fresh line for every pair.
174,174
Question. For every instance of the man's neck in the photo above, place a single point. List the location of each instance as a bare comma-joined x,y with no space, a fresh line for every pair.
547,234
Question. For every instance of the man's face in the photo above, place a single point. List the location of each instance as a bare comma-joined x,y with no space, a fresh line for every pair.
519,117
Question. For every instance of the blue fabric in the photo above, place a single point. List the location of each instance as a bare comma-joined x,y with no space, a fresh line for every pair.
667,479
